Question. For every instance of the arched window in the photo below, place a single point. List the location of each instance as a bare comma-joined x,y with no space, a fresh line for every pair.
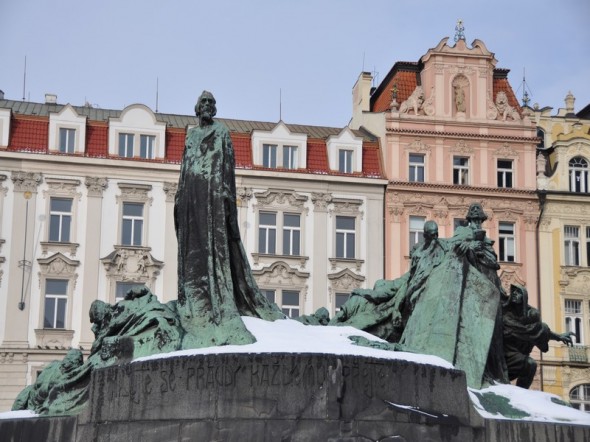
580,397
541,135
578,175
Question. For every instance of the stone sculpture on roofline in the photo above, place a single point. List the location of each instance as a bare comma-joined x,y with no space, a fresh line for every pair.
450,304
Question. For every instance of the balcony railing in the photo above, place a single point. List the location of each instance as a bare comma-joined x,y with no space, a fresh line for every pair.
578,353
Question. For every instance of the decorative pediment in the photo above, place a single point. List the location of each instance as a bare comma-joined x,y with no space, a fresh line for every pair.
510,274
62,187
280,273
345,280
280,198
418,146
462,148
506,151
58,265
134,192
132,264
346,206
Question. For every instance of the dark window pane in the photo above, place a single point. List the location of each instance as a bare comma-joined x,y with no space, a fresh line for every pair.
132,209
345,222
350,246
56,286
49,313
291,220
54,228
61,205
60,320
290,297
126,234
270,295
296,243
65,228
137,231
341,299
272,241
268,219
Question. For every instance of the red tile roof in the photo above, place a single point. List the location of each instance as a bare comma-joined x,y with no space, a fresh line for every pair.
317,156
242,150
175,144
371,159
404,75
29,134
501,84
97,140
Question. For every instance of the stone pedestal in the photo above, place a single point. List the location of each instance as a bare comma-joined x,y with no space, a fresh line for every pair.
282,397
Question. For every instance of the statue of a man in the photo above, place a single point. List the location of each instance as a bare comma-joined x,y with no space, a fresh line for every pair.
524,330
215,282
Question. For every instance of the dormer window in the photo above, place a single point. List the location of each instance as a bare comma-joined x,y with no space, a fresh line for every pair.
279,148
67,140
345,161
67,131
345,152
137,134
126,145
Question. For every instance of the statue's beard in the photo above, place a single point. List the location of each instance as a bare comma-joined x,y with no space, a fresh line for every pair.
207,113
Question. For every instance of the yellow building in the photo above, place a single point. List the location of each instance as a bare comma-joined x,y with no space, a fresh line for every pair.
563,167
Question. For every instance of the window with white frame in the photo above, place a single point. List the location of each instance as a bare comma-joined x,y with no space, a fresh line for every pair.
588,246
572,245
340,300
290,303
290,157
580,397
291,234
574,320
504,172
132,224
461,170
67,140
267,233
507,241
269,155
578,171
147,146
416,168
416,230
345,237
345,160
121,289
126,145
56,302
60,219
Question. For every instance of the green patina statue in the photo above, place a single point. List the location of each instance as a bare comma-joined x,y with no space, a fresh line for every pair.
215,282
522,331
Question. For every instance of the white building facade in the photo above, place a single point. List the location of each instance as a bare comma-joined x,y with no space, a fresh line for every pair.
86,212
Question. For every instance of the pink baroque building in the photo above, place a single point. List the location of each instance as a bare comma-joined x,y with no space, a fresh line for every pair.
453,133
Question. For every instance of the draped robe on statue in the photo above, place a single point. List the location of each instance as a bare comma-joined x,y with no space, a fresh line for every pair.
215,283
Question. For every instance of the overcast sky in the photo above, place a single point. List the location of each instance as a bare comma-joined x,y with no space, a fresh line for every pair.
110,53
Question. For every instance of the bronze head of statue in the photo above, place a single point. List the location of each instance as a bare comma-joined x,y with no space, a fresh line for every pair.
205,108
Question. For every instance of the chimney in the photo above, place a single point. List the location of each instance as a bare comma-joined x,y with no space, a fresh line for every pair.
50,99
1,94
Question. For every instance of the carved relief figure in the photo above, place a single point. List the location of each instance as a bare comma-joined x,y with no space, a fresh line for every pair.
414,101
459,98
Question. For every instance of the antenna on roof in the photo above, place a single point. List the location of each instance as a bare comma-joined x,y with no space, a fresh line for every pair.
375,76
25,78
157,87
280,105
526,90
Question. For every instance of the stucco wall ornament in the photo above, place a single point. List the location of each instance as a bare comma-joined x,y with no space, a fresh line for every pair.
26,181
96,185
428,105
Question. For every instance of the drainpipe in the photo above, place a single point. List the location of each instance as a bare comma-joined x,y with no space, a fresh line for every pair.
542,194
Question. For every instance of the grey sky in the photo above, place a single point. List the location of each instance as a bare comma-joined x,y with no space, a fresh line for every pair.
110,52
